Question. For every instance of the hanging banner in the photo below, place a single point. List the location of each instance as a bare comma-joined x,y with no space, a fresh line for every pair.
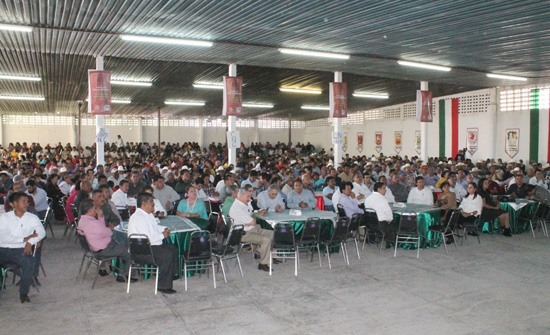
378,141
360,142
397,135
102,135
99,92
338,100
338,137
424,106
418,141
511,146
232,96
472,140
345,145
233,139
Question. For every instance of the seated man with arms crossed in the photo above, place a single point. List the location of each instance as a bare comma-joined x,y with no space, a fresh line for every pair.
241,213
20,231
301,198
378,202
100,237
166,255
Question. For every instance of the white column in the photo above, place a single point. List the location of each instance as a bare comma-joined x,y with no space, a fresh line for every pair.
140,129
200,140
1,130
75,131
100,121
424,130
337,126
232,121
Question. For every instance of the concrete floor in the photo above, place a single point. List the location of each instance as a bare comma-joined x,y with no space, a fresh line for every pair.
499,287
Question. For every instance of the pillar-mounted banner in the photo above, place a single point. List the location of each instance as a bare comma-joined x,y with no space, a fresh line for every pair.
232,96
338,100
99,92
424,106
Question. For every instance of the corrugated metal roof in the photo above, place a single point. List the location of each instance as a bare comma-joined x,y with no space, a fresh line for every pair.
474,37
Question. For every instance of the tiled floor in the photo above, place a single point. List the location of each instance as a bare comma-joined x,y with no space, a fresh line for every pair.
499,287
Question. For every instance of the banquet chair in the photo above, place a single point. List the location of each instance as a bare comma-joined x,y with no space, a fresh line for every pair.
208,206
198,256
533,216
92,258
471,227
142,258
545,218
230,248
407,232
341,211
373,228
446,230
338,238
47,220
285,244
353,234
174,209
213,226
309,238
16,271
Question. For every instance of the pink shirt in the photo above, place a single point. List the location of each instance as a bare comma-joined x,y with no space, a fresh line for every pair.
97,235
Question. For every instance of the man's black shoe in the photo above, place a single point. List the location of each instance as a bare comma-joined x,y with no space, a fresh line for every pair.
507,232
103,273
24,298
167,291
263,267
472,233
388,245
175,277
276,261
121,279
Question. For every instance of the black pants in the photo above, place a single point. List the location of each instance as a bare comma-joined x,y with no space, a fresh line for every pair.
166,256
389,229
28,265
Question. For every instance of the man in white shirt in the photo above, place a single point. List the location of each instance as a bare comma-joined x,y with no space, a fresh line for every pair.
40,198
271,200
361,190
348,201
328,193
21,234
164,193
380,205
115,177
252,179
166,255
120,197
241,214
389,195
66,184
301,198
537,180
420,194
457,188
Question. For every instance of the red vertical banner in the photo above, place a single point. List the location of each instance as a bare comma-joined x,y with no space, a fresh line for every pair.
424,106
338,100
454,118
99,92
232,96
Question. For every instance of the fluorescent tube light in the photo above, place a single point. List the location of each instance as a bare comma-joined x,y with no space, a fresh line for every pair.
165,40
185,103
20,78
3,97
502,76
121,101
424,66
131,83
316,108
15,28
313,53
293,90
258,105
209,86
371,95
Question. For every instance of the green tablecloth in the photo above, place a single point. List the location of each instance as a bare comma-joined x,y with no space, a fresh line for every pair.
514,210
181,233
427,216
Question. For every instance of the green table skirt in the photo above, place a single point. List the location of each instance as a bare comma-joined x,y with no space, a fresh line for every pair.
428,239
516,226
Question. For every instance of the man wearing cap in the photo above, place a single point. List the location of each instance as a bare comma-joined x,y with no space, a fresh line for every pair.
512,179
115,177
475,175
420,194
410,177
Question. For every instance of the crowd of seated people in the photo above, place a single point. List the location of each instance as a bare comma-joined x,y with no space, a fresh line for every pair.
267,177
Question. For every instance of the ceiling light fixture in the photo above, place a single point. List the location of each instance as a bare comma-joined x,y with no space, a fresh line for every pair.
313,53
503,76
165,40
4,97
258,105
371,95
15,28
294,90
121,101
131,83
424,66
316,108
185,103
209,86
20,78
